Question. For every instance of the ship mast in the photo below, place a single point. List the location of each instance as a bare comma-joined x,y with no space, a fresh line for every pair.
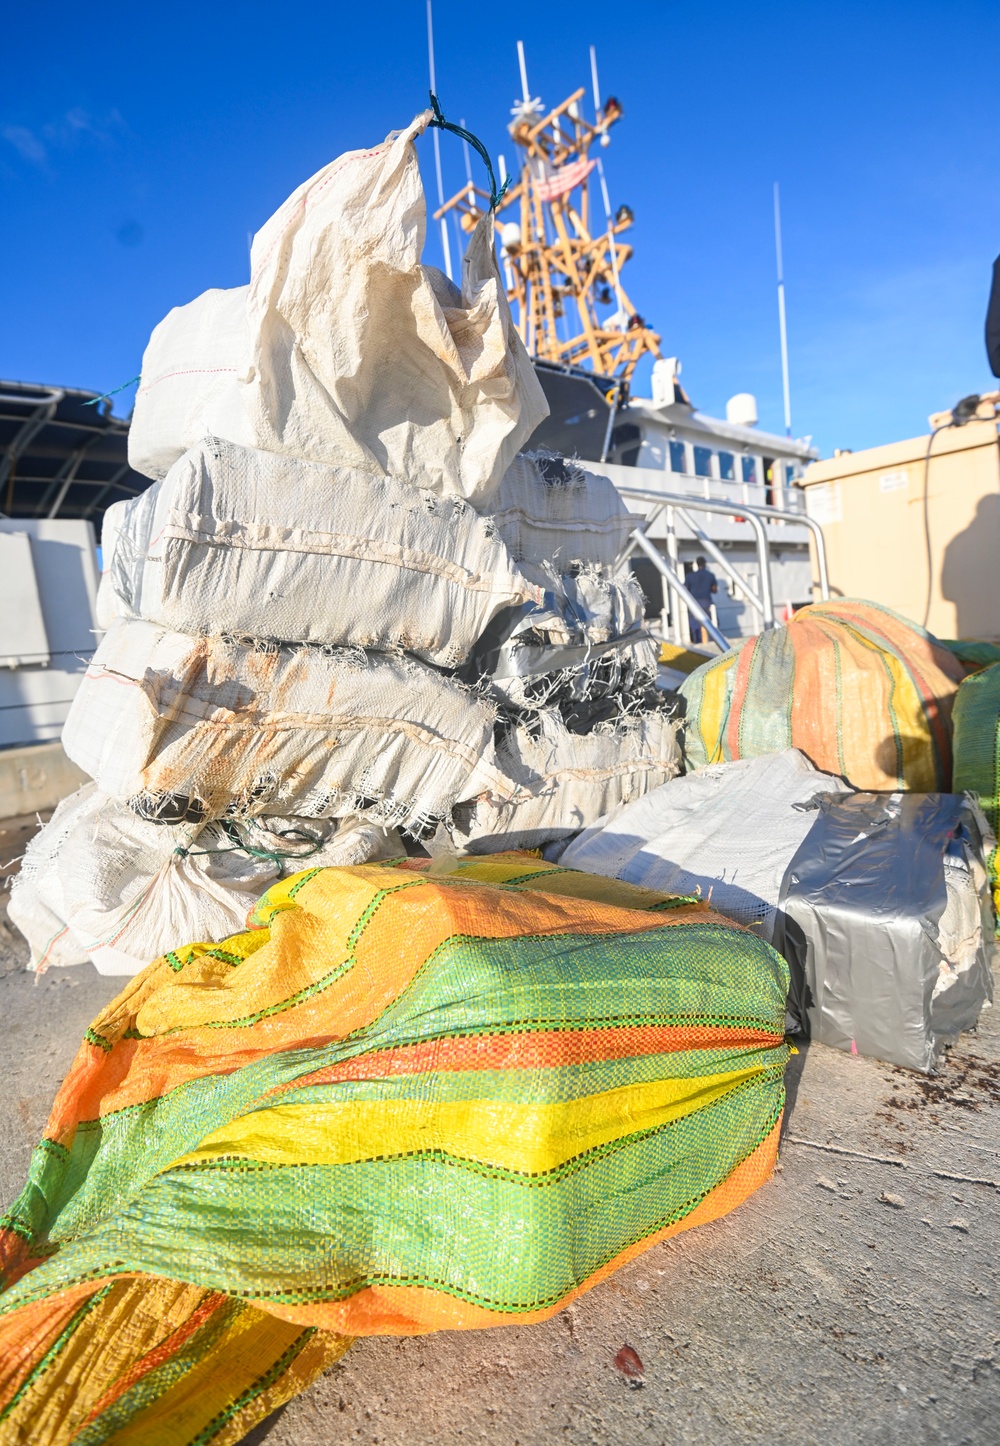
563,281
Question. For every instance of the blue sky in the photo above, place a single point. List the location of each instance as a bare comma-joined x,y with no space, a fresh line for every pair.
140,145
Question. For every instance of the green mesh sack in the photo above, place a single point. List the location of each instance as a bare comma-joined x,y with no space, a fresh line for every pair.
976,721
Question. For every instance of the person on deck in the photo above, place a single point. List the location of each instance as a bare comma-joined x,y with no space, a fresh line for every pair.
701,583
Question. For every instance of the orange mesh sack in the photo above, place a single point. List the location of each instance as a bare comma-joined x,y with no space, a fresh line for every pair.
407,1099
859,690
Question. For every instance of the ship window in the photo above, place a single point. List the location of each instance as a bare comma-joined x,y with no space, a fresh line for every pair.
703,461
791,473
626,442
678,461
749,469
727,466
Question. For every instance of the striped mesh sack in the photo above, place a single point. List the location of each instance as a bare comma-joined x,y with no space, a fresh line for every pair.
410,1097
977,752
859,690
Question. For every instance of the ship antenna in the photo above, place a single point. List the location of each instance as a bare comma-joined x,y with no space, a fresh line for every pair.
593,81
525,93
781,311
605,197
437,142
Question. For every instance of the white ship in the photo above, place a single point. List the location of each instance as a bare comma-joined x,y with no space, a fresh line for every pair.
562,254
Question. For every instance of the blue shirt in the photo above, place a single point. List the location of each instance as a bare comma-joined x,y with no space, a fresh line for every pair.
700,584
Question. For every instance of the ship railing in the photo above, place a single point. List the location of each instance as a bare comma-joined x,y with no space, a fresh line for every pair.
783,496
674,506
749,494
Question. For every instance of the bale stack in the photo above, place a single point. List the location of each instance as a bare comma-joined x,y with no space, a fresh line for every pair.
346,606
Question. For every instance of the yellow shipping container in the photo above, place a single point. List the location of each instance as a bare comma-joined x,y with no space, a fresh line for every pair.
921,538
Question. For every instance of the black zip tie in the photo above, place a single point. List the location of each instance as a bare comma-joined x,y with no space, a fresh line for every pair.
495,196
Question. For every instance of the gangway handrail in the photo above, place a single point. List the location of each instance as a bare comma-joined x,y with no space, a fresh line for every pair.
720,560
725,509
662,565
802,517
753,512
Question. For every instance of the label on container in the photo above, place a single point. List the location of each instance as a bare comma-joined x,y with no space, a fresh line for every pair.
894,481
823,503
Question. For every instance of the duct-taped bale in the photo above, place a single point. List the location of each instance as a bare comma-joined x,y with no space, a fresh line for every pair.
201,728
858,689
249,543
726,833
551,511
348,350
887,922
561,782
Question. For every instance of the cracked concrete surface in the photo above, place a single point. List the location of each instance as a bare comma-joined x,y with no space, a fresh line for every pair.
852,1299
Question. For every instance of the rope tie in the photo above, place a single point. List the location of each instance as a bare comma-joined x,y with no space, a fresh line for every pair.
274,856
94,400
445,125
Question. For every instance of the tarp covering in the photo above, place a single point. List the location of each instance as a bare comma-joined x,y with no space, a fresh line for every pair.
408,1099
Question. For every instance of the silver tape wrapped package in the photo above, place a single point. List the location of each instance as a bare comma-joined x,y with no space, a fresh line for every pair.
886,919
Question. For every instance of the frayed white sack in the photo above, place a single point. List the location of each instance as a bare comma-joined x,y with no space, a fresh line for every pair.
551,510
350,351
206,727
243,542
563,781
99,883
726,832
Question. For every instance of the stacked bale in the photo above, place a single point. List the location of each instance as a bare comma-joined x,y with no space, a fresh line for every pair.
318,631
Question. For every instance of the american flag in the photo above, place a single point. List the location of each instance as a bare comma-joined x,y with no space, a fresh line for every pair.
557,183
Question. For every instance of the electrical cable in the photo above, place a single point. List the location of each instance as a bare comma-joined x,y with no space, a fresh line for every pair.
927,516
962,412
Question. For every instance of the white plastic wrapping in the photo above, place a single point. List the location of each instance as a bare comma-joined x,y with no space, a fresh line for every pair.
725,833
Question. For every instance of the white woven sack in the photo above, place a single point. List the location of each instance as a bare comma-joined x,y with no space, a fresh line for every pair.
727,832
244,542
565,781
353,353
193,378
99,883
550,510
37,906
110,604
205,727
